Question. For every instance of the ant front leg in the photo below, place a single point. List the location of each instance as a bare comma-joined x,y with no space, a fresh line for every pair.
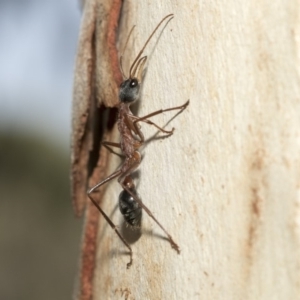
111,224
137,119
145,118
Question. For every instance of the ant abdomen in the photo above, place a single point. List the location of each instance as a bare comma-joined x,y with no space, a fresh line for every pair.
130,209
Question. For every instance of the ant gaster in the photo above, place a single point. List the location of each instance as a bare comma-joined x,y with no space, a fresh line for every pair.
131,139
130,208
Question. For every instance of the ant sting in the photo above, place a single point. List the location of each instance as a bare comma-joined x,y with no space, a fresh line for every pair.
131,139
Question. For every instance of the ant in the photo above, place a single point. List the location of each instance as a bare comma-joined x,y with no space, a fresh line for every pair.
131,139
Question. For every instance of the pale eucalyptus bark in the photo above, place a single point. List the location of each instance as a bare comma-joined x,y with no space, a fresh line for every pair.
226,184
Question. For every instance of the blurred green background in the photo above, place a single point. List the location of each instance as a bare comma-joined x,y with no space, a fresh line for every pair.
39,235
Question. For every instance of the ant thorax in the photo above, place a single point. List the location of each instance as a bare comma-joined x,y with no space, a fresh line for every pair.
128,138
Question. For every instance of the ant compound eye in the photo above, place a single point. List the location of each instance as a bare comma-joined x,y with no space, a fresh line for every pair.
133,83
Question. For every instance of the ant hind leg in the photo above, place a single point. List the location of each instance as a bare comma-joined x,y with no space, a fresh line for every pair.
108,220
121,180
114,227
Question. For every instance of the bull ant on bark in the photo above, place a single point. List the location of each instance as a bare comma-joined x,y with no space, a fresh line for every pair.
131,139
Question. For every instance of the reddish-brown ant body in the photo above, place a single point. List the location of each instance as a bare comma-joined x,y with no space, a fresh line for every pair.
131,139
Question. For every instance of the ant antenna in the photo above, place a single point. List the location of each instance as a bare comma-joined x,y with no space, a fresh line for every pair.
139,66
121,57
137,59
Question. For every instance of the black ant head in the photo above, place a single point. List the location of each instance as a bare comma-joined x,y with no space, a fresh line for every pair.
129,90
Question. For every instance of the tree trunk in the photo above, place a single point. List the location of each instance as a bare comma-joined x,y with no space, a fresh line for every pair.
225,185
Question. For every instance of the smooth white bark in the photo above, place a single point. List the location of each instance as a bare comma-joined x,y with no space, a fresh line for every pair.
226,184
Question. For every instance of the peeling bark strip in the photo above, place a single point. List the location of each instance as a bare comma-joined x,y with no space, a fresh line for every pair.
89,243
96,80
108,76
82,97
97,77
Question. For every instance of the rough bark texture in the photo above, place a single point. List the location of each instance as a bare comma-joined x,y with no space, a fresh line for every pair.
226,184
96,83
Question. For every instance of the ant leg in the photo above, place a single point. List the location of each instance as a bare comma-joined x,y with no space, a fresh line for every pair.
145,118
182,107
122,180
141,204
106,143
117,145
110,177
152,123
112,225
